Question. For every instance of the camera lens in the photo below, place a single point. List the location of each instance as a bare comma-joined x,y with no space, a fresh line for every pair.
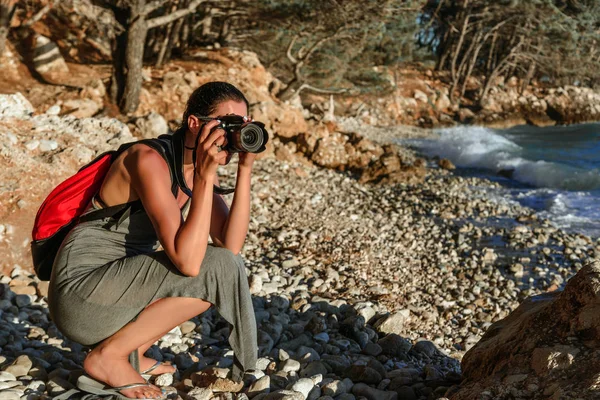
252,138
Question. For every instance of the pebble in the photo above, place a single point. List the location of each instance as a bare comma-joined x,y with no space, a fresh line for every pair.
19,367
304,386
32,144
164,380
290,366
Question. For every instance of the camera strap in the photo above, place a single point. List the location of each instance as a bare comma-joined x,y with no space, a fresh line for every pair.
178,139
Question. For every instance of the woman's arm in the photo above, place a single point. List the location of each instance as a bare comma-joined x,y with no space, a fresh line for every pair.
184,241
230,227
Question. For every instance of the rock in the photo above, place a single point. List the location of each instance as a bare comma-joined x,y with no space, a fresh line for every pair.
372,349
337,387
426,347
330,152
420,96
164,380
48,145
465,115
152,125
24,290
285,122
6,376
15,105
53,110
10,394
393,323
442,103
363,373
446,164
199,393
215,380
569,319
361,389
81,108
489,256
262,385
187,327
47,60
517,269
304,386
290,366
389,168
32,144
314,368
406,393
394,345
255,284
19,367
291,263
284,395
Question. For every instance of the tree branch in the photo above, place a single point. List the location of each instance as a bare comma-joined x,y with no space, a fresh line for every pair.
289,50
154,5
318,90
39,15
321,42
165,19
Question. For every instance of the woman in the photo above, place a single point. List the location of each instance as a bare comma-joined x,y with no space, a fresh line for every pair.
111,287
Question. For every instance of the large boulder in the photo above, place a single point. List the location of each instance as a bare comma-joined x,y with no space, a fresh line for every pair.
15,105
550,346
81,29
284,121
48,62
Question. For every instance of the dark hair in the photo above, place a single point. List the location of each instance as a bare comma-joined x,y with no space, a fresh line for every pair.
205,99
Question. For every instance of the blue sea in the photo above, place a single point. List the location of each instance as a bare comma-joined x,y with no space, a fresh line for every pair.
554,170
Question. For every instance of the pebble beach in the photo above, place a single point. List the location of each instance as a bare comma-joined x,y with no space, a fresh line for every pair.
360,291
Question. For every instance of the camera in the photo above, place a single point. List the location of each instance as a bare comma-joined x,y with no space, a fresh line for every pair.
243,136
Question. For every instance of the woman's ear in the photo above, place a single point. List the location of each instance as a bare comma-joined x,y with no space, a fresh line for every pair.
194,124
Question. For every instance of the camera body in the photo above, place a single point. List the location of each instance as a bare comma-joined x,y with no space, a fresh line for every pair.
243,136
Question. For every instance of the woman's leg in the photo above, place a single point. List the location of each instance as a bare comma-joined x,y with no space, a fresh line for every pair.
147,362
109,363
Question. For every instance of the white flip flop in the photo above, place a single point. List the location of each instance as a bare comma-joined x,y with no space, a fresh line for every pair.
89,385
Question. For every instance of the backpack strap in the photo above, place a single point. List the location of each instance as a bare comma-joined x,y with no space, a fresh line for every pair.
122,211
171,148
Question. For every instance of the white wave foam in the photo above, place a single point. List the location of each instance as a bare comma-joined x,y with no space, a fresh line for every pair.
480,147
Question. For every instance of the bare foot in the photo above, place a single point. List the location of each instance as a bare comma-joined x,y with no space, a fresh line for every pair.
147,362
115,370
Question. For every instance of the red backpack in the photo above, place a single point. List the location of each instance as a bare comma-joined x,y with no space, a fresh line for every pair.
64,206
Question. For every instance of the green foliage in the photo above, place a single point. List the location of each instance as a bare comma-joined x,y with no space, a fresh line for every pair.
357,36
557,37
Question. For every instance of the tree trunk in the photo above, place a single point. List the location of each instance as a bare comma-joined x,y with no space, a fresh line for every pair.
529,76
128,53
163,47
185,33
175,35
6,13
136,38
119,50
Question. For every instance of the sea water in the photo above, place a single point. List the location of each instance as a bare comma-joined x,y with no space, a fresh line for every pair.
554,170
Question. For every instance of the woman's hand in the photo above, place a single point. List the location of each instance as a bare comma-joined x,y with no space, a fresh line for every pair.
208,156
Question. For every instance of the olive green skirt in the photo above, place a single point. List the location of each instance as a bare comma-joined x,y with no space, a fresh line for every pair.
108,271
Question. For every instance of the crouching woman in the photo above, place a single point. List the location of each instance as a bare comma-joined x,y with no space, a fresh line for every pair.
112,289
